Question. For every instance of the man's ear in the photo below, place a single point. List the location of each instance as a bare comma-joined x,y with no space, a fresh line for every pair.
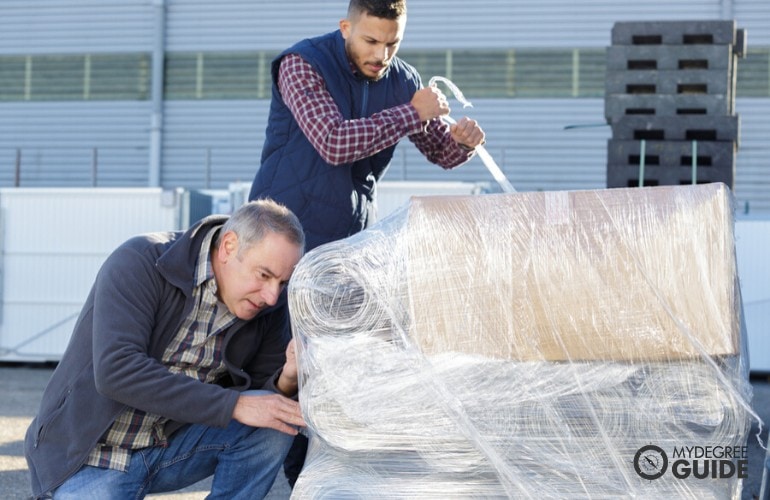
228,247
345,28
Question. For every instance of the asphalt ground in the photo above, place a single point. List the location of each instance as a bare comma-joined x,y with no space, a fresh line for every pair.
21,387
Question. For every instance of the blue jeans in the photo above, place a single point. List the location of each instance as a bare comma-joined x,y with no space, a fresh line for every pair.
244,461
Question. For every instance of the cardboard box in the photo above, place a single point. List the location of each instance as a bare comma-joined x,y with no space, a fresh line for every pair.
636,274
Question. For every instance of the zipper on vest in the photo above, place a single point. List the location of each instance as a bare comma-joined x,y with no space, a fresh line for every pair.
365,100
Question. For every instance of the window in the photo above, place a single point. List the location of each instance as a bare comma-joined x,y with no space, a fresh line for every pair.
56,78
542,73
484,73
428,63
184,76
119,77
590,73
480,73
74,77
12,78
531,73
754,74
231,76
212,75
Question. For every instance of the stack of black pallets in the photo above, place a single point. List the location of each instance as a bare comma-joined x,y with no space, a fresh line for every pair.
670,100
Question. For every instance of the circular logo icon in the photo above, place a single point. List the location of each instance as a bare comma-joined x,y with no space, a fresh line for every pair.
650,462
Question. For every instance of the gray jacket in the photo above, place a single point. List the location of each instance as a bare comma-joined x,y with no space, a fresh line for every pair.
135,307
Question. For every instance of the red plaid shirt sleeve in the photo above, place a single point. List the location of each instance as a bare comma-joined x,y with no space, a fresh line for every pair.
341,141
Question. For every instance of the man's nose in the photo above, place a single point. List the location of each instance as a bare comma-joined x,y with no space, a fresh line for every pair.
382,53
270,293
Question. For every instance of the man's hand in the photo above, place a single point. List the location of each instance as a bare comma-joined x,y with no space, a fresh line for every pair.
430,103
288,381
467,132
273,411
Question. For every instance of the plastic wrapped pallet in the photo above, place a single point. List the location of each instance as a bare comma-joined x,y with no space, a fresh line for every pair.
523,345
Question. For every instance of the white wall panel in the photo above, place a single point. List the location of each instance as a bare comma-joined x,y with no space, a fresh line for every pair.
752,172
528,141
526,137
392,196
544,23
53,242
247,25
76,26
752,239
57,142
754,17
58,26
240,24
227,134
210,143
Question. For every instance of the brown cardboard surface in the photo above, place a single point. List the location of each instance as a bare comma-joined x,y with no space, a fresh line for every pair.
637,274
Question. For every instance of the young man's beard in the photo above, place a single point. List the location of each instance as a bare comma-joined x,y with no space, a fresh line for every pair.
360,69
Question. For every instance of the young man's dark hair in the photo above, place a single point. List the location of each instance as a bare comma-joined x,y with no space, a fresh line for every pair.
384,9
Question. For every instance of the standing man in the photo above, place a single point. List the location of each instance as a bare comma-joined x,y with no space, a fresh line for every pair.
340,104
180,366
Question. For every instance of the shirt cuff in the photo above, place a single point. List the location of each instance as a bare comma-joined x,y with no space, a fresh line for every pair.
411,119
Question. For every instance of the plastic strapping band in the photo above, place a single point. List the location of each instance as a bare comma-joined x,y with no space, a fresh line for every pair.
486,158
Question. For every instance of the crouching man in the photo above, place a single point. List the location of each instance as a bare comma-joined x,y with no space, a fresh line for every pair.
180,366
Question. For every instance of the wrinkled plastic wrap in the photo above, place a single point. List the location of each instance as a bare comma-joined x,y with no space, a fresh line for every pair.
523,346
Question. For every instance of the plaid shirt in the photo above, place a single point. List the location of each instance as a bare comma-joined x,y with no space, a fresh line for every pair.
341,141
195,352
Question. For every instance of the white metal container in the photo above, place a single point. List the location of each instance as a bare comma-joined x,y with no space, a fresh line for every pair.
390,194
53,243
393,194
752,248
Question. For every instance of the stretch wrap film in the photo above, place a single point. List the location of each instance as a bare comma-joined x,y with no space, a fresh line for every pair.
524,345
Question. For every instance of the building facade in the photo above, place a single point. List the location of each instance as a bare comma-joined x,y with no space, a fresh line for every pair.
175,93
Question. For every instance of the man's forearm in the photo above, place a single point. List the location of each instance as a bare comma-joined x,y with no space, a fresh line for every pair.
436,144
337,140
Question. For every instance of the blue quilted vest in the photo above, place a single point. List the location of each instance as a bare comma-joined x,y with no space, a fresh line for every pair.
331,201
